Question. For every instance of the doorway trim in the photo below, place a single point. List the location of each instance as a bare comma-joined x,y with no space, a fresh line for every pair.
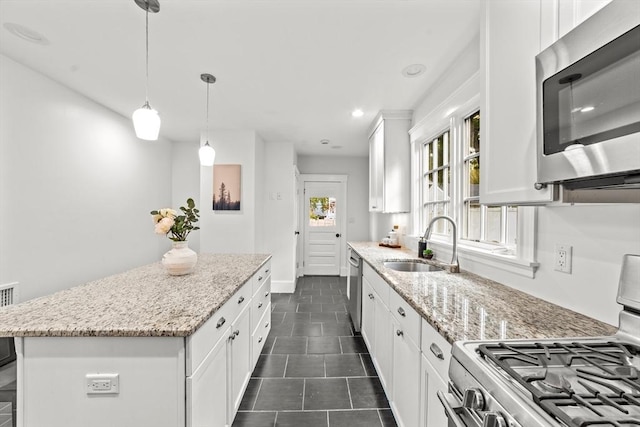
342,179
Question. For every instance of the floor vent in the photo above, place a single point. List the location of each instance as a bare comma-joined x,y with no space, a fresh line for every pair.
7,294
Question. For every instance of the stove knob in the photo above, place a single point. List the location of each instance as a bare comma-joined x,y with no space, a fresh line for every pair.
493,419
473,399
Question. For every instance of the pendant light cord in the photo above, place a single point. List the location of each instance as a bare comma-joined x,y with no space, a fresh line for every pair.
208,86
146,86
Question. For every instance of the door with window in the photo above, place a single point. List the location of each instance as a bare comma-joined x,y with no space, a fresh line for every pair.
323,213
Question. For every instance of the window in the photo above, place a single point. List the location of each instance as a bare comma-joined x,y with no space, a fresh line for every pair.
452,161
437,199
481,223
322,211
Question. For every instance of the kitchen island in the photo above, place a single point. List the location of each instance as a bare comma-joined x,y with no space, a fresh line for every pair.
132,348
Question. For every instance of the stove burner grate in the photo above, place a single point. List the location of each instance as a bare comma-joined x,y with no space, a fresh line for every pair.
579,384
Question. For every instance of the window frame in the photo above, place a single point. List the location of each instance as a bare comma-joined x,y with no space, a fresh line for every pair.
451,114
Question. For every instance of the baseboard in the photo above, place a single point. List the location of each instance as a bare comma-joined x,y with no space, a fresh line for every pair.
283,286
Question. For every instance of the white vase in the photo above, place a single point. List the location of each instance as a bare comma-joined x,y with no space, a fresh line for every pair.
180,259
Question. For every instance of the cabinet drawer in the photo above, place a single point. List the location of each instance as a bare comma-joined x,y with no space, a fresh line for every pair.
260,335
377,283
202,340
408,319
260,302
436,349
262,275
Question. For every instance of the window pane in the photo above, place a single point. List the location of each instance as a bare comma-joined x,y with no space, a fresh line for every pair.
473,173
512,225
322,211
493,224
472,220
440,189
428,151
474,133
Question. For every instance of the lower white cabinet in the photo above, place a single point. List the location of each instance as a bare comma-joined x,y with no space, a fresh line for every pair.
207,388
216,384
411,357
406,377
432,413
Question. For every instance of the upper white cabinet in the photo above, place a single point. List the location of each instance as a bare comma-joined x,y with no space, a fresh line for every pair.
510,38
558,17
389,162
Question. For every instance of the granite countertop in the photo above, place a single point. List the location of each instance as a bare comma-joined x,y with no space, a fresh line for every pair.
143,302
464,306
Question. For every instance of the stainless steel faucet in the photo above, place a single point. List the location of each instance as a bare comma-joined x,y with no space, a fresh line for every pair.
427,234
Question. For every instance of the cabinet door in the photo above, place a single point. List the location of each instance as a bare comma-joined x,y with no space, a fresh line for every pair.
432,413
509,40
368,315
383,347
376,169
240,358
207,389
406,378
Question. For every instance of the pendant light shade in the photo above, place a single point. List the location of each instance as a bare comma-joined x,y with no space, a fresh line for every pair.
146,120
206,153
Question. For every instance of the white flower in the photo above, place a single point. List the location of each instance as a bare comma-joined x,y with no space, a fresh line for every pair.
164,225
156,218
168,213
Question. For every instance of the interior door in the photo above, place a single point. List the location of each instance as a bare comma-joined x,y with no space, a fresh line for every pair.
324,212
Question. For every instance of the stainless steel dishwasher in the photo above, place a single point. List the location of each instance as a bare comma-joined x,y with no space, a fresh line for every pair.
354,288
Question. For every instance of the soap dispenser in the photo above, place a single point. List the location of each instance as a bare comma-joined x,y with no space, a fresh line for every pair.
422,245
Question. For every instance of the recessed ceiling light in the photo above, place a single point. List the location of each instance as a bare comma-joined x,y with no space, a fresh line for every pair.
25,33
337,147
357,113
413,70
324,141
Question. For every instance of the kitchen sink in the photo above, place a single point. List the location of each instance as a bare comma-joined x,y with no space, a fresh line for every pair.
413,266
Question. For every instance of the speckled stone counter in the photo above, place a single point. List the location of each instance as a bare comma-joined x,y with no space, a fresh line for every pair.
464,306
142,302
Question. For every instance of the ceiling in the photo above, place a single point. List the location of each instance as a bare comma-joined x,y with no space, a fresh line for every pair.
293,70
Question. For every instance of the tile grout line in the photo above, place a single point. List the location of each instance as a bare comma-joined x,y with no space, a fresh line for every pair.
349,391
257,393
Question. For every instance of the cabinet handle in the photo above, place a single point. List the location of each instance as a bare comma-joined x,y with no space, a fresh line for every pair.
259,340
259,278
267,271
221,322
266,325
240,300
399,333
266,294
436,351
370,296
373,207
232,337
236,333
401,312
260,305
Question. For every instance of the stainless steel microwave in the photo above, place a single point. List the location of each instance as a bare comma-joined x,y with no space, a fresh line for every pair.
588,102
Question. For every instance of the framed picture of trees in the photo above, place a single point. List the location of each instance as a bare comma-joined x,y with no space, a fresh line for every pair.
226,187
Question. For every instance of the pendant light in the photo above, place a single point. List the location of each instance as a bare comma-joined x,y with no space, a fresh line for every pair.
146,120
206,153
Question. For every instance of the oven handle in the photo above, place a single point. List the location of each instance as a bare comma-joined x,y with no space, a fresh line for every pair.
448,408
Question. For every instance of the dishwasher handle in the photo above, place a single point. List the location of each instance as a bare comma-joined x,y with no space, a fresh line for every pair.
354,262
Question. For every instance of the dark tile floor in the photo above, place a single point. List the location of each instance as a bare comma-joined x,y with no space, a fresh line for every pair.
314,371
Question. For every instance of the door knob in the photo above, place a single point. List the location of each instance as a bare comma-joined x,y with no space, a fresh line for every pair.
296,233
337,234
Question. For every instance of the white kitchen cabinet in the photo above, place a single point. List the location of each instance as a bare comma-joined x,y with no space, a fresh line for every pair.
436,355
432,412
510,38
239,362
376,326
207,388
406,373
389,162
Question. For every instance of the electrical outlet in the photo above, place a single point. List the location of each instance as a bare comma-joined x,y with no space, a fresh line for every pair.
103,383
563,258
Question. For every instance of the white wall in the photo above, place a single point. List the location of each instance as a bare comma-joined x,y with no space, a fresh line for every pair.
278,213
185,181
234,231
76,186
357,169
